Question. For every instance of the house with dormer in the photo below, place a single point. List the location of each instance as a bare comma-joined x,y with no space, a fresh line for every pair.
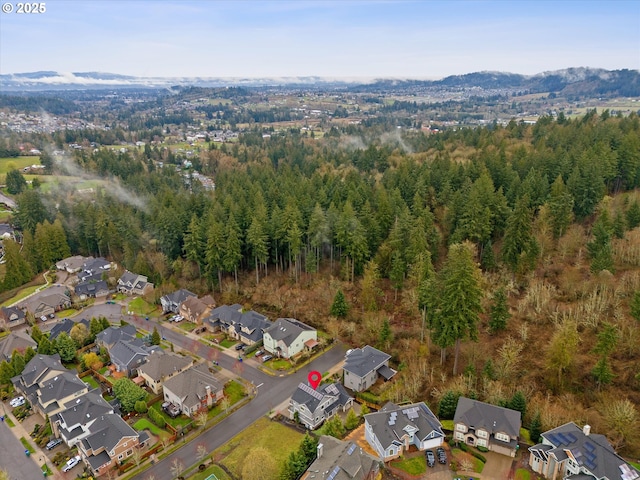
11,317
313,407
128,355
110,441
342,460
171,302
394,429
110,336
481,424
288,337
193,310
16,341
569,452
71,264
364,366
160,367
45,305
248,327
193,389
134,284
36,372
91,289
74,423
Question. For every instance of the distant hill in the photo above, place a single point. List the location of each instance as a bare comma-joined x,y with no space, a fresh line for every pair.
571,81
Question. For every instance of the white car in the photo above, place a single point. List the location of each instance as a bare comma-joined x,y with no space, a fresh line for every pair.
71,463
17,402
179,318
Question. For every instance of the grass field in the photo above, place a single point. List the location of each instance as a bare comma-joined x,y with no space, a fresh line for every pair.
179,421
413,466
279,364
9,163
522,474
228,342
89,380
279,440
20,295
139,306
234,391
144,424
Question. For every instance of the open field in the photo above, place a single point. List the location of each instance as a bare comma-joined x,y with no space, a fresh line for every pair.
25,292
278,439
9,163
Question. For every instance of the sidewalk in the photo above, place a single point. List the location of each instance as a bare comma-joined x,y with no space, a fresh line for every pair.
38,456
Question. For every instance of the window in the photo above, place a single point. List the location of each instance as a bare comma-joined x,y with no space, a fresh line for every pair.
129,452
460,427
482,443
120,457
481,434
459,436
502,437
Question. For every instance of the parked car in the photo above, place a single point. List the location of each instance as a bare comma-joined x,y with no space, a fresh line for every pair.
442,455
259,352
172,410
431,459
266,358
53,443
240,346
43,318
17,402
71,463
178,318
52,315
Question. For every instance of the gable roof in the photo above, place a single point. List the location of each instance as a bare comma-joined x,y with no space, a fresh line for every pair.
19,340
72,263
107,431
209,301
342,460
65,325
84,410
91,287
491,418
93,265
391,423
111,335
53,300
306,395
125,351
287,330
39,366
59,387
591,451
362,361
226,313
7,312
190,385
196,306
160,364
178,296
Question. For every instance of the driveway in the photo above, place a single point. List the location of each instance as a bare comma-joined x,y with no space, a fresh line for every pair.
497,466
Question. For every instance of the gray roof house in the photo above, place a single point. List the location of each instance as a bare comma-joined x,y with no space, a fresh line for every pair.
171,302
568,452
109,336
93,268
161,366
12,316
48,304
341,461
129,354
134,284
248,327
484,425
57,393
363,366
91,289
19,341
38,370
315,406
193,389
394,429
71,264
287,337
73,424
110,440
65,325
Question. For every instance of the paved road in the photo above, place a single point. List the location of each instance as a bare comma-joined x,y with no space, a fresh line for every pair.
272,392
13,459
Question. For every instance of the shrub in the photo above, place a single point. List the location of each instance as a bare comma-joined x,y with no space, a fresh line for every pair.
157,418
140,406
483,449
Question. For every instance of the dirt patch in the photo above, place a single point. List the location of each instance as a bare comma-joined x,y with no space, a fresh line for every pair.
357,437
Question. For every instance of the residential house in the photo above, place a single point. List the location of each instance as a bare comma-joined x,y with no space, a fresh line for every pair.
91,289
313,407
363,366
11,317
248,327
134,284
484,425
160,367
568,452
37,371
110,441
45,305
15,341
171,302
193,310
128,355
288,337
93,270
65,325
74,423
193,389
110,336
71,264
209,301
393,429
341,460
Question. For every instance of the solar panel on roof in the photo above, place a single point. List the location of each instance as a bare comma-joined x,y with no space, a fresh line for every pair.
571,437
333,473
589,446
307,389
590,464
351,449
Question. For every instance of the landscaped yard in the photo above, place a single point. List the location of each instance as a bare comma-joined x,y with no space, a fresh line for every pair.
178,422
228,342
186,326
414,466
461,456
67,313
92,382
278,439
139,306
279,364
144,424
234,391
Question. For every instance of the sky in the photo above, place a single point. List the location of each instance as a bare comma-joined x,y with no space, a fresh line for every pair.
339,39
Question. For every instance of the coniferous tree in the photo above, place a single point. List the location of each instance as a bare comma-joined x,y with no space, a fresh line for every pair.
499,312
519,403
520,248
560,207
66,347
15,182
17,269
600,248
448,404
339,307
633,215
155,337
535,428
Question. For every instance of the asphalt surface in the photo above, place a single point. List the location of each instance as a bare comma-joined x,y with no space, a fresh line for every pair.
13,458
272,391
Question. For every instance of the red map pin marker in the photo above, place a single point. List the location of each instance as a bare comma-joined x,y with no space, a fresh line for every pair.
314,378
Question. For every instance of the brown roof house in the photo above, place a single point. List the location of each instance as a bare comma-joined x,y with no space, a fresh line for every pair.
193,389
194,310
160,367
340,460
19,341
11,317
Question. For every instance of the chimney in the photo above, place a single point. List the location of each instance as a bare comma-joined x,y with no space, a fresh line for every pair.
319,450
586,430
208,390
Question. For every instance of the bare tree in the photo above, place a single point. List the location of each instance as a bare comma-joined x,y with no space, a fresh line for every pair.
201,452
201,418
177,467
225,404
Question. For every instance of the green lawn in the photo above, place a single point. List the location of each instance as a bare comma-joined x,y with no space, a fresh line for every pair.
234,392
92,382
140,307
10,163
118,297
413,466
27,445
216,470
67,313
447,424
22,294
522,474
524,435
278,439
144,424
186,326
478,464
9,421
4,215
179,421
228,342
280,364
